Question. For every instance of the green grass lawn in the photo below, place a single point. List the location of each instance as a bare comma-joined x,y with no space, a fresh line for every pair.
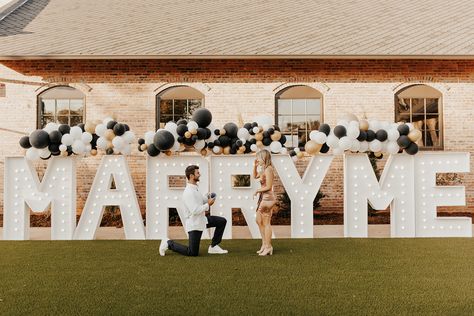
312,276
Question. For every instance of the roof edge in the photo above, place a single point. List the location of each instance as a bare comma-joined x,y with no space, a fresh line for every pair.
10,7
59,57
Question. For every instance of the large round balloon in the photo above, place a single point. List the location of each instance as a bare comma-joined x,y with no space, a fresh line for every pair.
340,131
25,142
55,137
39,139
119,129
412,149
325,128
403,141
64,129
163,140
231,130
312,148
370,135
203,117
403,129
152,150
381,135
224,140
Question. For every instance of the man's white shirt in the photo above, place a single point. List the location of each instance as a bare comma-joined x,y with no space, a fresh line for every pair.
195,208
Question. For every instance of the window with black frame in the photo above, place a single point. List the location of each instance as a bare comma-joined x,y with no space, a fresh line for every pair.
298,112
62,105
421,106
177,103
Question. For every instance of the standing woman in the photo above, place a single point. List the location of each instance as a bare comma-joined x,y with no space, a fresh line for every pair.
263,170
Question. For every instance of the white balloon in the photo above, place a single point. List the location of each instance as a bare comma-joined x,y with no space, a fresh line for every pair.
374,125
78,147
126,149
320,138
32,154
118,142
364,146
216,149
393,134
243,133
313,135
297,149
102,143
51,127
76,132
384,146
129,137
200,144
67,139
176,146
86,137
62,148
284,151
256,129
353,132
392,147
149,137
384,125
332,141
345,143
253,147
44,153
275,147
192,125
354,124
171,127
375,146
100,129
355,146
337,151
88,148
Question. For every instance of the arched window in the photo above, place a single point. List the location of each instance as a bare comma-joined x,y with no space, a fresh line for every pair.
298,111
177,103
421,105
62,105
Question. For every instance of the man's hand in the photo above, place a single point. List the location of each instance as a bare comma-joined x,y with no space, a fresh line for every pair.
211,201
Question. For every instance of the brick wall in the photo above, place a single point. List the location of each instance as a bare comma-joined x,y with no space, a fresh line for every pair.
127,89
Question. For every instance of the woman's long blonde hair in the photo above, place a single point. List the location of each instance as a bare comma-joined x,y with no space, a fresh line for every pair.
266,157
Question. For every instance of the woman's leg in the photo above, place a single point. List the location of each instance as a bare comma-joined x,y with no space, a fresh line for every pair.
267,217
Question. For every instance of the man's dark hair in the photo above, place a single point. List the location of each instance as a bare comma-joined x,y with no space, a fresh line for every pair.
190,170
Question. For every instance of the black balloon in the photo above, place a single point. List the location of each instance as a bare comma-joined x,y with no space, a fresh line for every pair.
217,132
111,124
119,129
189,141
210,145
141,141
233,150
412,149
55,137
181,122
217,142
267,141
292,153
403,129
266,134
64,129
403,141
325,128
253,141
163,140
39,139
370,135
180,139
248,126
381,135
202,117
201,133
152,150
324,148
238,143
139,147
69,150
127,128
181,129
271,130
340,131
95,137
231,129
282,139
54,149
276,128
362,136
254,124
25,142
194,138
224,140
109,151
82,126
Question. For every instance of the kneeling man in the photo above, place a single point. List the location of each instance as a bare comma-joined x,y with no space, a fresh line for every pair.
195,207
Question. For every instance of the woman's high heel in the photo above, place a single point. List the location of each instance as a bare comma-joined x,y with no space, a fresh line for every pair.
261,249
267,251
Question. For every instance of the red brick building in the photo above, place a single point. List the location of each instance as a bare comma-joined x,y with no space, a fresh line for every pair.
302,63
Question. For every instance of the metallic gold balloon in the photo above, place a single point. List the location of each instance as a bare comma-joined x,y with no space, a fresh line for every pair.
204,152
188,134
312,148
227,150
364,125
109,134
143,147
90,127
415,135
300,155
93,152
276,136
260,144
259,136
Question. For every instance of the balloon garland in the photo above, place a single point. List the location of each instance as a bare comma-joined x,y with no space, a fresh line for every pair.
83,140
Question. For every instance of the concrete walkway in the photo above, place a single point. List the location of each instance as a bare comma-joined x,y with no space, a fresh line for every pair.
238,232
